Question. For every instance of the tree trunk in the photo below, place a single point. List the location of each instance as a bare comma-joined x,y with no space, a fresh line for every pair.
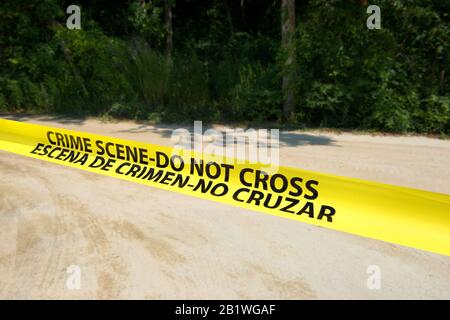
288,45
168,25
230,20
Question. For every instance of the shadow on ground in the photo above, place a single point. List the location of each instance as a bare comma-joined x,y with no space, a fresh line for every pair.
287,137
47,118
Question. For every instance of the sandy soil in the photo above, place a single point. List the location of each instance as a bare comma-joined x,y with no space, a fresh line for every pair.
134,241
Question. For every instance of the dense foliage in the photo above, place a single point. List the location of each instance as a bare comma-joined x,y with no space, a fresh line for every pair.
227,62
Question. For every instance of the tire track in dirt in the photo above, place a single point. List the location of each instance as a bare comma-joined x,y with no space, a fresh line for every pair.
38,228
8,227
109,270
65,219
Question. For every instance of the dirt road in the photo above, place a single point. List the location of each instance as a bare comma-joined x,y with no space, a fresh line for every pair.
133,241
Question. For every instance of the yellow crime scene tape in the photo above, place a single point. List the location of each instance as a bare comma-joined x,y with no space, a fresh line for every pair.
410,217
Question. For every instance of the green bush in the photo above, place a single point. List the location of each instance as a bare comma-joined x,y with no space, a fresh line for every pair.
349,76
256,96
148,72
435,116
188,94
3,105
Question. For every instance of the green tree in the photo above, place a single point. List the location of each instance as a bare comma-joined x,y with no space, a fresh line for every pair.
288,46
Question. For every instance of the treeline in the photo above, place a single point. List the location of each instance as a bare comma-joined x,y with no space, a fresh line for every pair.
179,60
